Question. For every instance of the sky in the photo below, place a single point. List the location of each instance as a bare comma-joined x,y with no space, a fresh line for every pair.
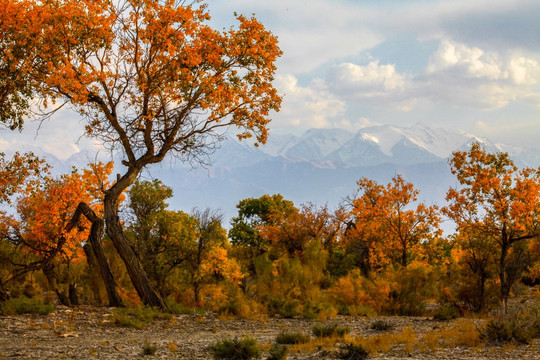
472,65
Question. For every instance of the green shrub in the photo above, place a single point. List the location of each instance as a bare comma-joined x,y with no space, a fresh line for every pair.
381,325
519,325
285,308
291,338
137,317
235,349
278,352
24,305
330,330
179,309
446,312
353,352
313,311
149,349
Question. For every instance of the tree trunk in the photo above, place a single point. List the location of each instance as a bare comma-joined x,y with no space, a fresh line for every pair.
73,297
95,280
481,291
505,288
48,271
133,265
94,238
404,257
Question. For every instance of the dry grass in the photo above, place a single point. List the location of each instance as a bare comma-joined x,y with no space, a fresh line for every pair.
463,332
315,344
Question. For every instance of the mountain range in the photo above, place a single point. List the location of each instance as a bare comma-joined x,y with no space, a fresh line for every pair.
320,166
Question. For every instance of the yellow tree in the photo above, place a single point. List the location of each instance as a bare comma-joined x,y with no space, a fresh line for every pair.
496,201
151,78
390,221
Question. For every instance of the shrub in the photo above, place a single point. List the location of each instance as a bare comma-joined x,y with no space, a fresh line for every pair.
356,295
235,349
278,352
463,332
446,312
149,349
292,338
520,325
24,305
137,317
412,286
330,330
180,309
285,308
353,352
381,325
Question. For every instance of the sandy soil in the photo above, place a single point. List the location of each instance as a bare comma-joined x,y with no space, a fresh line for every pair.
88,333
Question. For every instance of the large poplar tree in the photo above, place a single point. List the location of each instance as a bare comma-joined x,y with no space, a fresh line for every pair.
151,78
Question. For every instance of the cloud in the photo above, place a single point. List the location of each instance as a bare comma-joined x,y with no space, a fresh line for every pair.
309,35
312,106
373,81
455,75
460,75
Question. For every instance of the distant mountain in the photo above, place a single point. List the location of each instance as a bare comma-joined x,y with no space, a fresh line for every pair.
317,144
320,166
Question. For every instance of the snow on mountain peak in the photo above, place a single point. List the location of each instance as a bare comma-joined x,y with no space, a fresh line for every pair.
370,138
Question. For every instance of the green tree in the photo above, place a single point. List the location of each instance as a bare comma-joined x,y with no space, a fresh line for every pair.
159,236
253,214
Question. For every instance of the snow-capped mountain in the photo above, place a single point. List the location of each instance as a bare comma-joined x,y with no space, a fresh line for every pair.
320,166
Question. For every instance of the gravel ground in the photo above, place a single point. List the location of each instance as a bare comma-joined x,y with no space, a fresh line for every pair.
87,333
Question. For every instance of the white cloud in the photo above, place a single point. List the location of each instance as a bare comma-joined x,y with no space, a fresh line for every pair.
310,34
464,62
468,76
456,75
372,80
372,84
306,107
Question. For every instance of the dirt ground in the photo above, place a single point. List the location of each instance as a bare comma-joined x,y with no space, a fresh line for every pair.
88,333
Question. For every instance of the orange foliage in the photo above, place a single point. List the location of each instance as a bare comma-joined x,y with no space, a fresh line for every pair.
354,290
47,209
291,232
496,202
385,218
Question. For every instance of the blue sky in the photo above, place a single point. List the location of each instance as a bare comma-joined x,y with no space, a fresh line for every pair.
473,65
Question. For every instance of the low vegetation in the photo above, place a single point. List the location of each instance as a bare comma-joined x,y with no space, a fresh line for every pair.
333,330
290,338
236,349
24,305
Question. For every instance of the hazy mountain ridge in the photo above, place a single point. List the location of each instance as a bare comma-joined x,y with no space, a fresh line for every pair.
320,166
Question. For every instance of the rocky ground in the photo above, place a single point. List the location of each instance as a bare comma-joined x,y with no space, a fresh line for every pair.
88,333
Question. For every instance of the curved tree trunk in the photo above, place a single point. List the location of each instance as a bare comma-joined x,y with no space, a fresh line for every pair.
96,281
94,238
133,265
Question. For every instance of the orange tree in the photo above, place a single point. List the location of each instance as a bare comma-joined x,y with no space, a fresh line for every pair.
43,229
14,174
387,219
150,77
498,202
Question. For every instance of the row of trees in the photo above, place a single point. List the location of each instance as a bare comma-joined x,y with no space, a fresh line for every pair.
381,251
152,79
